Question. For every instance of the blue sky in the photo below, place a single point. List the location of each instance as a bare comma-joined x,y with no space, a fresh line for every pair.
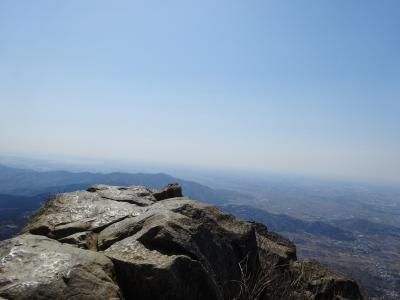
304,87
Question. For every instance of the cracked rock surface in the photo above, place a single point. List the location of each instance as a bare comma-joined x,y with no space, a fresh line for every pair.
113,242
36,267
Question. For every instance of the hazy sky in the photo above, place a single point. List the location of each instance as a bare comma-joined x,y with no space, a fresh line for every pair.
307,87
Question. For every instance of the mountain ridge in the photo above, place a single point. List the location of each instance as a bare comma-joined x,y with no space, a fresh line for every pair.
132,242
27,182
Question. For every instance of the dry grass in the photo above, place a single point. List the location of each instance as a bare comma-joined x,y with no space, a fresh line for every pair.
277,281
252,286
272,283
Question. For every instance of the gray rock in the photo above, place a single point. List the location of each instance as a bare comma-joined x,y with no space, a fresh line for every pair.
275,251
149,274
181,231
138,195
121,230
323,283
159,245
69,213
85,240
36,267
172,190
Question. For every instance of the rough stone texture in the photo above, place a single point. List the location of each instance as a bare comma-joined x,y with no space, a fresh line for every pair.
172,190
325,284
85,240
138,195
36,267
69,213
274,250
159,245
181,230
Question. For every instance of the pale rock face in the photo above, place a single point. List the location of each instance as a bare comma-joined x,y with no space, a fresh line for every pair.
36,267
113,242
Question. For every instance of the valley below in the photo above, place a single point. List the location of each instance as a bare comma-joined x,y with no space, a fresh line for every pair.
354,229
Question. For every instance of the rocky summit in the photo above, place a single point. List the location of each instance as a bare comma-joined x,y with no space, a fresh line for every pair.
114,242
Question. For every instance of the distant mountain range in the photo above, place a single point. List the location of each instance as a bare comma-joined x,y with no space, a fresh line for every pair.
355,231
25,182
23,191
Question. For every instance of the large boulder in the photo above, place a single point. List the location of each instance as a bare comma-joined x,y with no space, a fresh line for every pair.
36,267
179,232
323,283
137,243
69,213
